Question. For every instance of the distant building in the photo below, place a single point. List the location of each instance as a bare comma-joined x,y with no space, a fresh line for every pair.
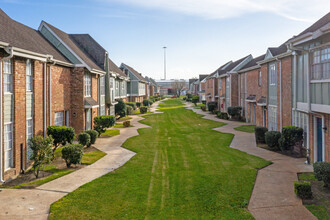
166,86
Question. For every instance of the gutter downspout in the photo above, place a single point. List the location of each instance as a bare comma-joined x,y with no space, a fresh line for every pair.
45,99
50,90
10,51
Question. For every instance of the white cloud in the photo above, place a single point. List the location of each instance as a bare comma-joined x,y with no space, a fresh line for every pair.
301,10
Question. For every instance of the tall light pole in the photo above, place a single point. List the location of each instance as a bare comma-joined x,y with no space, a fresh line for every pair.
164,62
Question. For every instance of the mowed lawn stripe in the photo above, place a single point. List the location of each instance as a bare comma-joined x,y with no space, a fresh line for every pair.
183,169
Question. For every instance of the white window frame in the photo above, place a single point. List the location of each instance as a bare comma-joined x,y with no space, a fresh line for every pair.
272,118
29,76
259,78
102,85
272,74
320,69
9,146
220,84
59,118
102,110
8,76
88,85
29,135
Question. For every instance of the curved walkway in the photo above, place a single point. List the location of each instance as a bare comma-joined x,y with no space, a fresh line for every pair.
273,195
35,203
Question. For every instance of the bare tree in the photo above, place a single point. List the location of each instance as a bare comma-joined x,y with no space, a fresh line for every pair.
178,86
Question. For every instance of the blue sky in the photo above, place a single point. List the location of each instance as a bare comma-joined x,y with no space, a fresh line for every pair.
200,35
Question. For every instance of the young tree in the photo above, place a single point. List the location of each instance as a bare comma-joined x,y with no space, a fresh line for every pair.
195,99
178,86
41,152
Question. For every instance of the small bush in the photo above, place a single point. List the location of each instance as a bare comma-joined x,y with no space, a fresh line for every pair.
271,138
93,135
216,112
147,102
143,110
84,139
72,154
195,99
120,108
129,110
204,102
235,112
211,106
101,123
203,107
322,172
127,124
290,136
189,96
132,104
184,98
303,189
138,104
61,135
260,134
41,152
223,115
189,100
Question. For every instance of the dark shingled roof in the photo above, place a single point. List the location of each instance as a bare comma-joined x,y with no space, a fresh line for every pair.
151,80
24,37
202,76
154,82
317,25
114,68
90,101
278,50
136,73
232,66
68,40
219,69
254,61
191,81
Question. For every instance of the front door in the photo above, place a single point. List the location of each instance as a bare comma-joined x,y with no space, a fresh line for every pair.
319,139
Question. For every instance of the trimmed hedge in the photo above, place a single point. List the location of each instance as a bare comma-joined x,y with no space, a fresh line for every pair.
260,134
61,135
132,104
272,138
120,108
127,124
129,110
195,99
223,115
147,102
290,136
303,189
235,111
138,104
84,139
101,123
211,106
93,135
143,110
72,154
322,172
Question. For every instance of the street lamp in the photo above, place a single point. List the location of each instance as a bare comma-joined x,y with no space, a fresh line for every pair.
164,62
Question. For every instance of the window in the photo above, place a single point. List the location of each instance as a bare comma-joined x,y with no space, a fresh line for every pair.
102,86
272,74
220,84
272,115
321,64
8,76
88,119
8,141
29,135
102,110
88,85
259,79
58,118
29,79
67,119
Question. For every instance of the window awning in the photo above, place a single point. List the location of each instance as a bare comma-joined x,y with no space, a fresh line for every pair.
262,101
208,95
251,98
91,103
223,96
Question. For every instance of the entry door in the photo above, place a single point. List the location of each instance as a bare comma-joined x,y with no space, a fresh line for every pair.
263,116
319,139
253,113
88,119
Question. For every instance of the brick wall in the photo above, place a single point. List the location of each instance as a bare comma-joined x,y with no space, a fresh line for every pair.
234,90
77,100
286,91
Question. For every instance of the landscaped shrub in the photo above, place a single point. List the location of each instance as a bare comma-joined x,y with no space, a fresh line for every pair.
223,115
61,135
211,106
271,138
93,135
132,104
101,123
84,139
203,107
322,172
303,189
41,152
72,154
260,134
290,136
195,99
204,102
120,108
143,110
129,110
235,112
189,96
147,102
184,98
138,104
127,124
216,112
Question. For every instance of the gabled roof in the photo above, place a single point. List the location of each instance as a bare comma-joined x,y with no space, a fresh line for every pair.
202,76
232,66
278,50
136,73
70,42
115,69
151,80
253,62
223,67
24,37
317,25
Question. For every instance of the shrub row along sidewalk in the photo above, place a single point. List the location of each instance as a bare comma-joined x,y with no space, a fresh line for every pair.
34,204
273,195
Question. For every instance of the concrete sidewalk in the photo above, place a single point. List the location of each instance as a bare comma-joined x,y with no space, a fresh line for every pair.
273,195
35,203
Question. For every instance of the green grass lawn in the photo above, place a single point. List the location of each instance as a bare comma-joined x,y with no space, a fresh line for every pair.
182,170
246,128
320,211
91,157
111,133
